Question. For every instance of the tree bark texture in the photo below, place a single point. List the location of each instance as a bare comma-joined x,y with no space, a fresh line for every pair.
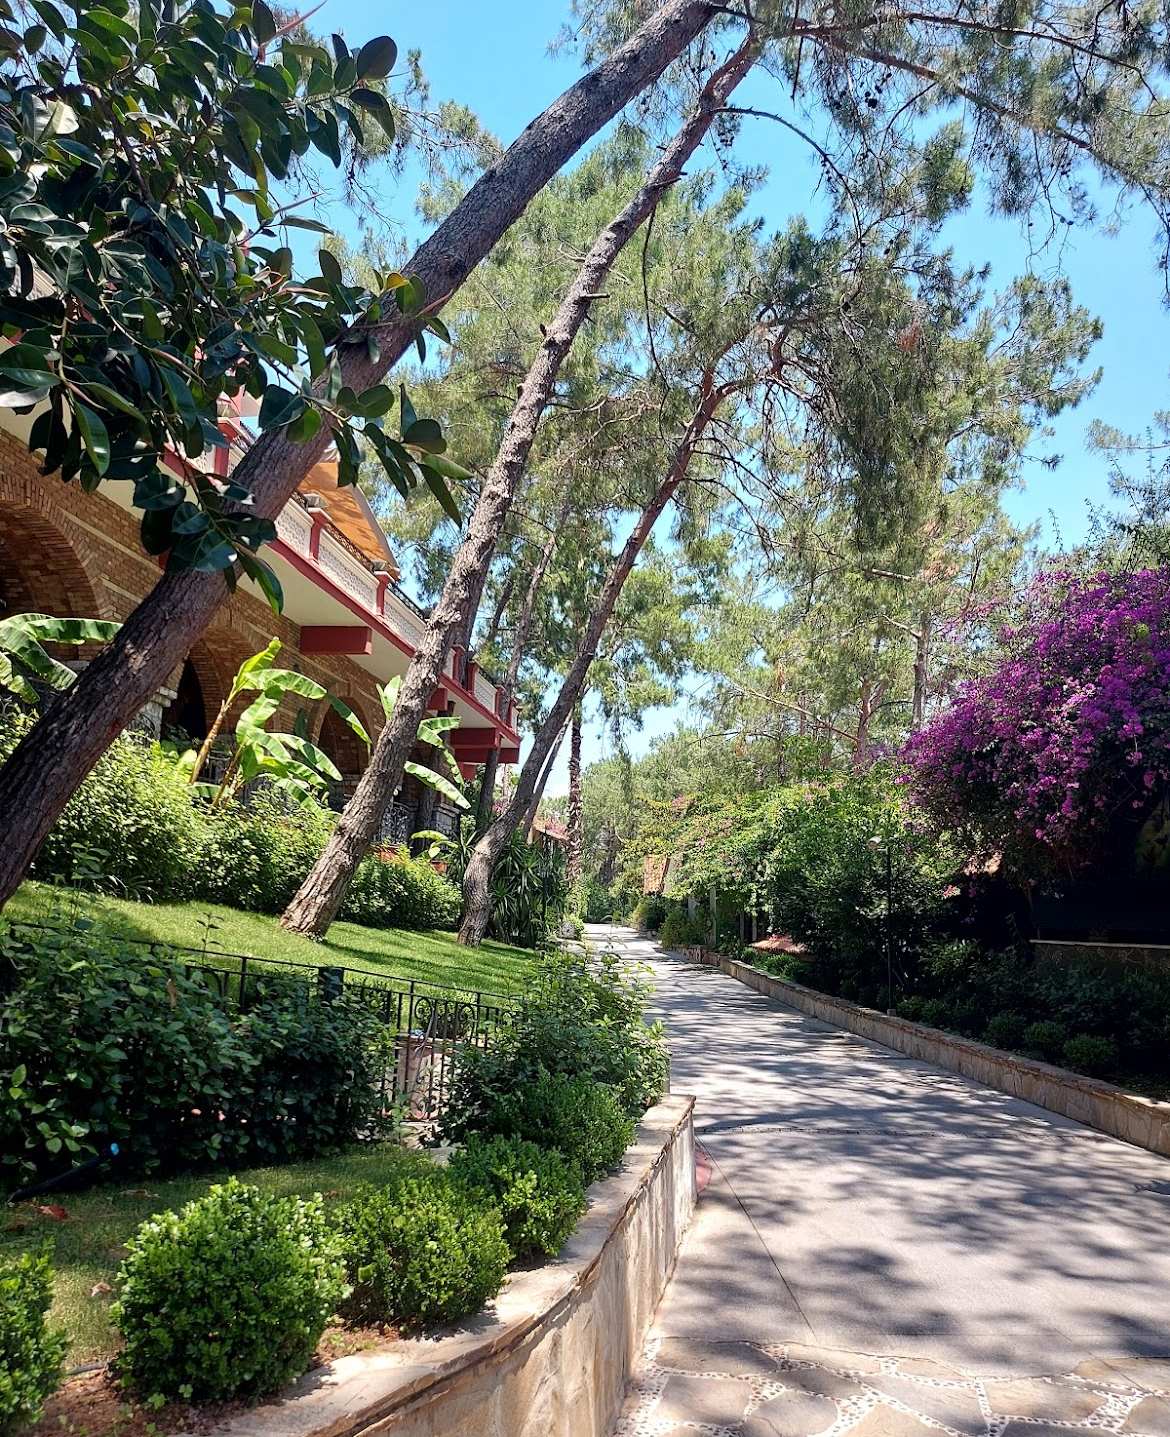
477,874
538,792
52,760
487,789
313,907
573,866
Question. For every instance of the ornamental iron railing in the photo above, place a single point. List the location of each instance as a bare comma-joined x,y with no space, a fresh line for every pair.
431,1026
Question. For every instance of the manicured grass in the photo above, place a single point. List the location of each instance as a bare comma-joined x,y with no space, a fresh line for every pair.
88,1230
391,952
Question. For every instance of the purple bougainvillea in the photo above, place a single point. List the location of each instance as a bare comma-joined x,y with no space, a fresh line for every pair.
1070,733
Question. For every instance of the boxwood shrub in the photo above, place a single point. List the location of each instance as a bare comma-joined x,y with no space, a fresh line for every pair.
227,1297
539,1192
583,1119
420,1252
30,1351
393,890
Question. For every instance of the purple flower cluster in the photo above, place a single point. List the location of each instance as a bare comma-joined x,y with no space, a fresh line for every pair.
1069,732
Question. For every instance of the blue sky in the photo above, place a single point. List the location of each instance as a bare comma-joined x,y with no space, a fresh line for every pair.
495,59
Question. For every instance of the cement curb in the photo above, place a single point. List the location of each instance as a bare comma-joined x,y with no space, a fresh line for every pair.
1144,1122
552,1355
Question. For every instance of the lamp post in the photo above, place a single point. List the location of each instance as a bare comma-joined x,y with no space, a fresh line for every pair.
883,844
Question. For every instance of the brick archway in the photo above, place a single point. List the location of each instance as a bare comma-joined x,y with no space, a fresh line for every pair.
209,669
46,566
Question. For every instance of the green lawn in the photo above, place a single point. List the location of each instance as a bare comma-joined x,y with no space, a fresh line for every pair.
391,952
87,1230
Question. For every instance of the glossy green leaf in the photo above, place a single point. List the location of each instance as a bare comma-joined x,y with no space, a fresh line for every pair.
94,435
279,406
377,58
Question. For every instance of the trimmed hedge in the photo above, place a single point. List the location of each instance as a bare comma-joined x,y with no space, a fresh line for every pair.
539,1191
227,1297
422,1252
31,1353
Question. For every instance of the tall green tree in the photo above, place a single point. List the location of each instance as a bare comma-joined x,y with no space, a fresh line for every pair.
255,136
319,897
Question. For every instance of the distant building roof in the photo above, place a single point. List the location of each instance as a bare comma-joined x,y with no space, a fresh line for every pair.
777,943
349,513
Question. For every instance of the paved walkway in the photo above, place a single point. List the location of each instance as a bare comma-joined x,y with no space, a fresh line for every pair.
885,1249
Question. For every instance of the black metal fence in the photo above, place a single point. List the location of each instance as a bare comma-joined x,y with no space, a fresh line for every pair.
430,1026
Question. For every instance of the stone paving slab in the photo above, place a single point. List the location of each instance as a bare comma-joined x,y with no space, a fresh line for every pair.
741,1389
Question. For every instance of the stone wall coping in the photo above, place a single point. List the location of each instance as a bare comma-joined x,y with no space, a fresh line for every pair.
362,1392
1143,1121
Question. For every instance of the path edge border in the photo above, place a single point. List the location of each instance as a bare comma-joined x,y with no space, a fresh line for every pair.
1144,1122
554,1355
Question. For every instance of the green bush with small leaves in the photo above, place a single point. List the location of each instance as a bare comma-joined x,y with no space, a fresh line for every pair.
650,913
585,1021
256,857
539,1191
393,890
1006,1030
681,930
421,1252
31,1352
584,1119
111,1042
130,828
1046,1038
1090,1055
227,1297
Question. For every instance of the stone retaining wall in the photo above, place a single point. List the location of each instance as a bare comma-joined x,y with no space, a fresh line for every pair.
1109,1109
554,1354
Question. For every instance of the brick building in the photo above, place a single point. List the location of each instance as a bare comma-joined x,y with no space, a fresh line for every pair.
346,623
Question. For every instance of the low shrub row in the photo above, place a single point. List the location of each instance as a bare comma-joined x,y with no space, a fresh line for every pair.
1103,1022
682,930
132,826
108,1047
230,1296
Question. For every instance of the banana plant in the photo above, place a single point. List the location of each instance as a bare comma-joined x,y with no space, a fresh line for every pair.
291,760
24,658
433,731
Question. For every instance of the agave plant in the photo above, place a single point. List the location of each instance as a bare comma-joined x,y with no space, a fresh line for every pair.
23,657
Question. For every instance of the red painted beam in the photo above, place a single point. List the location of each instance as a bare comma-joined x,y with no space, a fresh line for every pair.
510,755
337,639
438,701
468,741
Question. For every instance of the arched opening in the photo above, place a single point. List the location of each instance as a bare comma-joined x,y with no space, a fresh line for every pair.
187,711
40,573
347,751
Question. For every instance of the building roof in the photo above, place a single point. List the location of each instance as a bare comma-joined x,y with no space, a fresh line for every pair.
349,513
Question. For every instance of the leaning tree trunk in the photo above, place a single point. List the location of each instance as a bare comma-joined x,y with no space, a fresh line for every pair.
477,874
319,897
529,817
52,760
573,866
491,766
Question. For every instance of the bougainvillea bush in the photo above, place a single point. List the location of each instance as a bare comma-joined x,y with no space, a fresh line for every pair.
1065,745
